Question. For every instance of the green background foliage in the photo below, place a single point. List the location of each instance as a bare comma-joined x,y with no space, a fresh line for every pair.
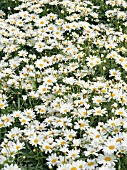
8,6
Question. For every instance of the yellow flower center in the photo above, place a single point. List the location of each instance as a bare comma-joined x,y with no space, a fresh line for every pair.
42,31
6,119
111,147
122,123
91,152
99,111
23,120
119,140
112,94
81,102
110,46
63,143
70,136
59,121
84,113
91,64
18,147
41,110
120,112
20,22
41,65
51,28
57,33
82,125
88,31
114,73
1,125
25,15
123,100
42,22
107,159
49,81
12,135
97,136
47,147
73,155
35,140
40,46
121,59
116,130
1,105
57,105
112,124
68,48
67,26
54,160
125,65
80,166
44,89
99,101
90,163
103,90
73,168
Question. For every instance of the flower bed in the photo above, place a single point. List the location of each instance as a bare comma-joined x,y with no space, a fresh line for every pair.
63,85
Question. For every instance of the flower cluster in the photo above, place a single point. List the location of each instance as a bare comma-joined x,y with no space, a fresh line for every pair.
63,85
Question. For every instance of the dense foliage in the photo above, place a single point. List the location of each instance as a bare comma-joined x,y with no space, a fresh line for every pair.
8,6
63,85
